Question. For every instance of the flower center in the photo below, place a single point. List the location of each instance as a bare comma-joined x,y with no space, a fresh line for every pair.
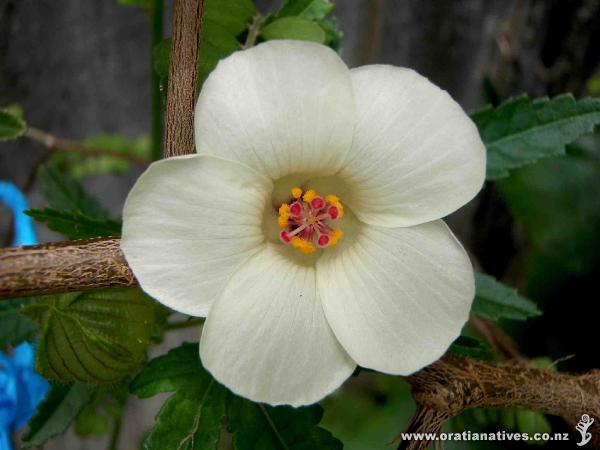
306,221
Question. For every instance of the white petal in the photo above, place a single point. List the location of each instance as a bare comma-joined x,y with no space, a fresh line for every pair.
397,297
416,155
266,338
280,107
188,223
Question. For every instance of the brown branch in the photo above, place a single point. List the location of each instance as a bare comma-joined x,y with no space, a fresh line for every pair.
441,390
183,70
455,383
53,142
502,344
63,267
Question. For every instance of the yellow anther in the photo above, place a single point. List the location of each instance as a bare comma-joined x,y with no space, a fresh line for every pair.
333,199
302,245
284,210
282,221
335,236
340,208
309,195
296,192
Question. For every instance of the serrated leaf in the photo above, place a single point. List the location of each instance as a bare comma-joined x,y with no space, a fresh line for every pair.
180,368
468,346
257,426
294,28
56,413
494,300
191,418
14,326
63,192
94,337
11,125
307,9
75,225
333,33
521,131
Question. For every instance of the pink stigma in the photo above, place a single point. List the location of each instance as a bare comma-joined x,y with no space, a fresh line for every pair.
333,212
317,203
323,240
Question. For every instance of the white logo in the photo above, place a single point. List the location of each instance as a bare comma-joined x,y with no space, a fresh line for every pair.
582,426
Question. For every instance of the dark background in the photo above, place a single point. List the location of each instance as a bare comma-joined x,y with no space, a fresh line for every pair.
81,67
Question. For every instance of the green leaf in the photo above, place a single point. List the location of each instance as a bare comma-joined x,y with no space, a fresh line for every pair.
75,225
96,336
494,300
532,422
14,326
333,33
556,203
306,9
57,412
178,369
217,43
90,423
294,28
468,346
15,109
232,15
63,192
80,165
258,426
522,131
191,418
224,21
107,405
11,125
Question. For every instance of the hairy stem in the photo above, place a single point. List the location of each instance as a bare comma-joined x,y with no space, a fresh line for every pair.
455,383
181,95
63,267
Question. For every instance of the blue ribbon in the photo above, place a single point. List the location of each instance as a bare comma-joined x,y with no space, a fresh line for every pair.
24,228
21,388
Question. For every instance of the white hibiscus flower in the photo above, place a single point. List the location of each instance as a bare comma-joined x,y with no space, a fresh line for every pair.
307,229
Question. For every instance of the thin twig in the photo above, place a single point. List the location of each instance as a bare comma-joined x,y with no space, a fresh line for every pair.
183,324
501,343
41,158
51,141
253,30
